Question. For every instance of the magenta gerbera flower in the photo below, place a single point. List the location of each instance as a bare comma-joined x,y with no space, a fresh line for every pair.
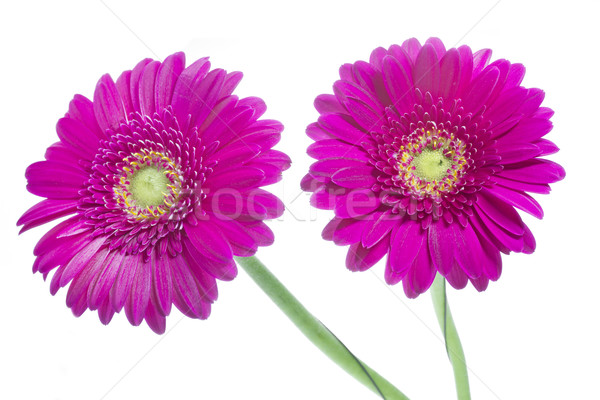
160,175
423,154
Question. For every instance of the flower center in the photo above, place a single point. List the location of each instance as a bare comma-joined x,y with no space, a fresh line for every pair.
430,162
148,186
431,165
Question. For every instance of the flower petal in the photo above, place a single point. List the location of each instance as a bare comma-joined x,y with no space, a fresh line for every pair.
45,211
518,199
360,258
500,212
166,78
356,203
406,241
108,106
146,87
398,82
449,74
162,283
480,89
355,177
139,295
209,240
537,171
426,72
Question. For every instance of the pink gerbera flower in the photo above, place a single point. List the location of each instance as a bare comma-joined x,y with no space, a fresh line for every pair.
423,153
161,177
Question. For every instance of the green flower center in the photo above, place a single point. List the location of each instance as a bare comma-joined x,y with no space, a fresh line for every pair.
431,165
149,186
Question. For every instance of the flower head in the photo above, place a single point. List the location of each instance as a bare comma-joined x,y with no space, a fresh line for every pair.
423,153
160,176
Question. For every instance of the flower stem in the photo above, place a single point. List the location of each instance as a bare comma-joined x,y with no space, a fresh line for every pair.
316,332
453,347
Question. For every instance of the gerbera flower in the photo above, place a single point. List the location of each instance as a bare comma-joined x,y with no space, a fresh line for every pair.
160,175
423,154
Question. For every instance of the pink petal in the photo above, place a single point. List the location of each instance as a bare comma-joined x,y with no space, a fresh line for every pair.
518,199
438,45
355,177
147,83
122,286
480,60
241,243
495,234
537,171
139,295
466,69
45,211
79,261
500,212
398,82
426,72
83,280
78,137
506,105
522,186
449,74
184,93
348,231
515,75
155,320
441,246
546,147
369,118
515,152
188,296
360,259
329,166
123,85
480,89
166,78
380,224
468,251
234,157
376,57
134,82
162,283
209,240
99,290
246,177
341,127
356,203
260,232
328,103
457,277
528,130
82,110
421,273
224,270
333,148
231,81
412,48
406,241
108,106
52,174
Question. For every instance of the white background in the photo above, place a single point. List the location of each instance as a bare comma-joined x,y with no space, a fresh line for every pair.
532,335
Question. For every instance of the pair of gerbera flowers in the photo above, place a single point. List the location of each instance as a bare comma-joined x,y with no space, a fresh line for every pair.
422,153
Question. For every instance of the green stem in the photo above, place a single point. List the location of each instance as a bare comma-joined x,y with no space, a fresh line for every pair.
453,346
316,332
